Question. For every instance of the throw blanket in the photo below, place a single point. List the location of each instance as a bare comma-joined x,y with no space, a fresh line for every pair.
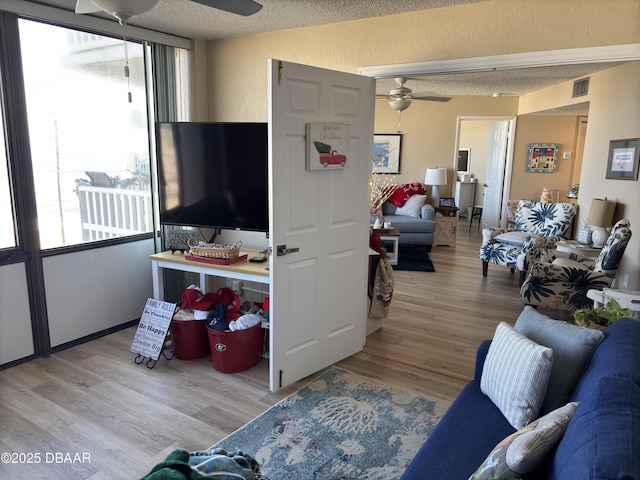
211,464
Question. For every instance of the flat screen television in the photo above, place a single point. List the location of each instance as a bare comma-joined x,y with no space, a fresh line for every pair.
213,175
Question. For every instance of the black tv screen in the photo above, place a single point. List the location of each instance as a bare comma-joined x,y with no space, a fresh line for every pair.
213,175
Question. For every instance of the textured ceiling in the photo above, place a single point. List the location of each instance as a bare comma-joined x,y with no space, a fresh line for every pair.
193,20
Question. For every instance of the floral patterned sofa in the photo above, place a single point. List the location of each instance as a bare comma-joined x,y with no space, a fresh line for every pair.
538,226
563,282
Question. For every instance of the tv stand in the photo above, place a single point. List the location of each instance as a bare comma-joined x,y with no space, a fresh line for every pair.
245,270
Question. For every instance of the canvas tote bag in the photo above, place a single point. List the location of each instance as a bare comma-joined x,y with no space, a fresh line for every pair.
382,290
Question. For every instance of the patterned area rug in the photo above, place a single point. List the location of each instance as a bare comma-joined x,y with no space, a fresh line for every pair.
339,426
414,260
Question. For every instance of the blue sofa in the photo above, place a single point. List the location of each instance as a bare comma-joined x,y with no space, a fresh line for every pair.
601,441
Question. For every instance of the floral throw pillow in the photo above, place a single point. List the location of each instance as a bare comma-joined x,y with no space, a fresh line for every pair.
522,452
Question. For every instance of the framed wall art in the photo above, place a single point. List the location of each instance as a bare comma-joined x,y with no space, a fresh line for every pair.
327,146
623,159
542,157
386,153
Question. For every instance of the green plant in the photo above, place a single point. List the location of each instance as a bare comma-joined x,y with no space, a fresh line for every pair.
603,316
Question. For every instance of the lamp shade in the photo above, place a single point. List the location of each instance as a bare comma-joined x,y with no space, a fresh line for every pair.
601,212
436,176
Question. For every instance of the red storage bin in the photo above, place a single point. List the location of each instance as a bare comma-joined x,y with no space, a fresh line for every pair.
190,340
233,352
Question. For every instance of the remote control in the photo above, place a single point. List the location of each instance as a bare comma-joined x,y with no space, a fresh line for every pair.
258,259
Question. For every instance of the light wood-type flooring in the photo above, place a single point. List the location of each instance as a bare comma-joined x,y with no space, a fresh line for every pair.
89,412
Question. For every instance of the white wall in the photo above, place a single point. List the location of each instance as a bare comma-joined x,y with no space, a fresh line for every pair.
16,339
97,289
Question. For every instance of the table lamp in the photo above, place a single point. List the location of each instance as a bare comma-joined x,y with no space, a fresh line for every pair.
600,217
435,177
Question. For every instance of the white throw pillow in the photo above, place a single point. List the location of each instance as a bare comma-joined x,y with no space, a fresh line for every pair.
516,375
412,206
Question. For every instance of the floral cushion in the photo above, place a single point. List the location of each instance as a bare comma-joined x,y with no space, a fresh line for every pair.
544,219
522,452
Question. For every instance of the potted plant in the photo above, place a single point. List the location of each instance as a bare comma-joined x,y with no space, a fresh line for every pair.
601,317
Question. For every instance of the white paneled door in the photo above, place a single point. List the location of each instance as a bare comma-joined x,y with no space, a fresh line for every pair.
319,288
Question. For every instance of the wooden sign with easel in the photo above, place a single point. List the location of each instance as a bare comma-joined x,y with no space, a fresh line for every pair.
152,337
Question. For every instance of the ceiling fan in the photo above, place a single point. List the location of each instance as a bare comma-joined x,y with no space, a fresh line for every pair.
401,97
125,9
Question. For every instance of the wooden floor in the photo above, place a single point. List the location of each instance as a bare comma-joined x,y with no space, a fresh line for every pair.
91,405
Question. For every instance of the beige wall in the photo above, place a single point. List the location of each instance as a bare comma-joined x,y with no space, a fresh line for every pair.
429,132
237,67
236,77
542,129
474,134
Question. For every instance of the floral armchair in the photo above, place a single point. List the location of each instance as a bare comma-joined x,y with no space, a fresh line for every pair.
564,282
538,226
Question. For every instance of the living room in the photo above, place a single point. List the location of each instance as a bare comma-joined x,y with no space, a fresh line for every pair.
425,126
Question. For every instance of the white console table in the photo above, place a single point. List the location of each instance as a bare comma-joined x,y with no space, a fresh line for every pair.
243,270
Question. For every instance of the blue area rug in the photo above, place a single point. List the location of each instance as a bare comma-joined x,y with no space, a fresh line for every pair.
339,426
412,259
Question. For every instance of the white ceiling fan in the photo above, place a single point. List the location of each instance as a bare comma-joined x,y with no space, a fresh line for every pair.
401,97
125,9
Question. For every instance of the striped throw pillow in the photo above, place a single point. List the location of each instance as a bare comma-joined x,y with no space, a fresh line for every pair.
516,374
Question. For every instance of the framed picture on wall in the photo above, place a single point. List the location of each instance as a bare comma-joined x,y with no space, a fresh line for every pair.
386,153
623,159
542,157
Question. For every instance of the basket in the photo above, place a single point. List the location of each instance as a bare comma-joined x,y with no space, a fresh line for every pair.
212,250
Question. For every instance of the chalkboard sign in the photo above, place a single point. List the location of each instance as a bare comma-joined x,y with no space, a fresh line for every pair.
153,328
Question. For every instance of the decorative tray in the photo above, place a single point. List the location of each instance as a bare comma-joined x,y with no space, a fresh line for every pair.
216,261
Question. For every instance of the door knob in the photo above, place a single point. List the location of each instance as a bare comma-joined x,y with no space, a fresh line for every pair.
283,250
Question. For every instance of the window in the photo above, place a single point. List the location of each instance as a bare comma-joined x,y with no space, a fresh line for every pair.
7,232
89,144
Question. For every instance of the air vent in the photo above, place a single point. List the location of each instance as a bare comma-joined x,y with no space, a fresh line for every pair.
580,87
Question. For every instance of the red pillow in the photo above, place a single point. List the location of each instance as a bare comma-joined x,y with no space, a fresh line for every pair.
403,192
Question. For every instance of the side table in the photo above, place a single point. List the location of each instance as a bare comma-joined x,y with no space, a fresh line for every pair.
445,233
389,238
577,248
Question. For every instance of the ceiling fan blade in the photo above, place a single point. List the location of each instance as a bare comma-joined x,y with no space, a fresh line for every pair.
430,98
86,6
239,7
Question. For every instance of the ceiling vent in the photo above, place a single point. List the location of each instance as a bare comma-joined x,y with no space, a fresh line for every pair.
580,87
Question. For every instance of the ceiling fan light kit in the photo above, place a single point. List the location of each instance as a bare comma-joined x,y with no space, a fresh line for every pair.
400,104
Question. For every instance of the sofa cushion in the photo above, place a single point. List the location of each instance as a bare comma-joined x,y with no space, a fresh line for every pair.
412,206
601,441
513,237
516,375
522,452
616,356
572,348
462,439
402,193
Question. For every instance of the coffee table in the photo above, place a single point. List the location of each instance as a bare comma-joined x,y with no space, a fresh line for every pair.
389,238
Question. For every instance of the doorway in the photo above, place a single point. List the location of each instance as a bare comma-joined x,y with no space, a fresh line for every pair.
489,141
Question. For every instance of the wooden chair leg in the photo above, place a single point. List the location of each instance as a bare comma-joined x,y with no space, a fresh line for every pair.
485,267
